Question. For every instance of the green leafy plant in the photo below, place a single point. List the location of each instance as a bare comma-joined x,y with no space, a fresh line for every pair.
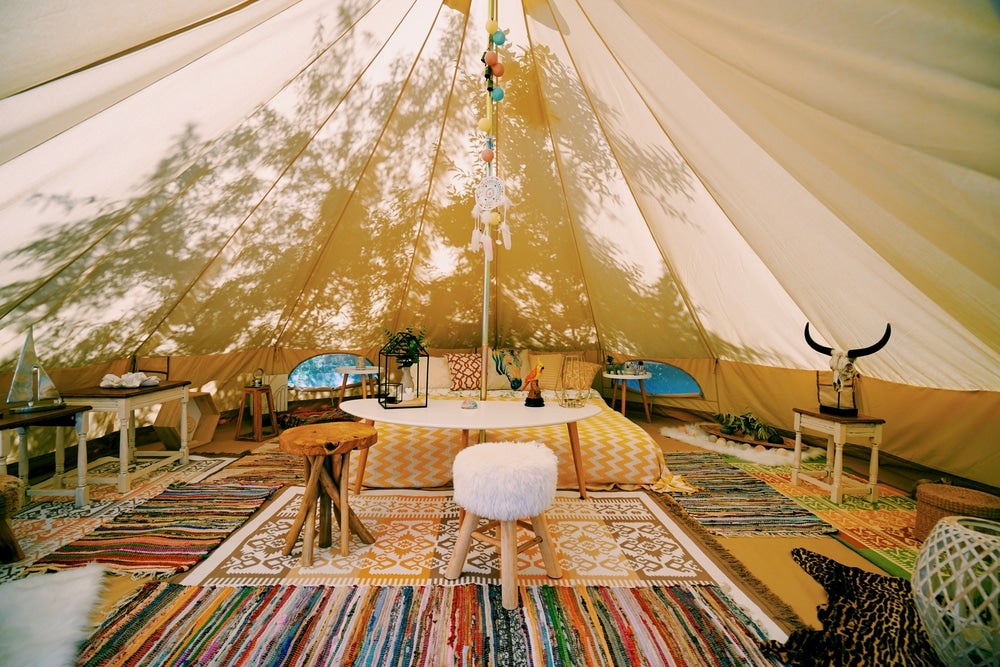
406,345
747,426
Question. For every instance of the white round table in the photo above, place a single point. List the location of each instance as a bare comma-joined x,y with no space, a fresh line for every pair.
369,374
621,378
490,414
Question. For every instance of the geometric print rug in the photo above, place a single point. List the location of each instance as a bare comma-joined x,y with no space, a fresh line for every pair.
881,532
612,538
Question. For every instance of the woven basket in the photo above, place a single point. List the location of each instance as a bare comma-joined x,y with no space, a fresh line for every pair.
936,501
956,590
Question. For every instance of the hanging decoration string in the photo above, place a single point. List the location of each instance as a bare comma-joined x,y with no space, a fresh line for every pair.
490,212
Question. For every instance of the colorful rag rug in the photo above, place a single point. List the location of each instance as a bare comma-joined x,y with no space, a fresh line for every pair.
48,523
164,535
731,502
612,538
172,624
883,533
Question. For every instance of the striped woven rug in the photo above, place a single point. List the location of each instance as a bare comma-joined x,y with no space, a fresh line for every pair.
165,534
172,624
731,502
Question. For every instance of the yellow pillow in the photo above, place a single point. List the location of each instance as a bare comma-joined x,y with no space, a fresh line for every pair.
552,372
587,372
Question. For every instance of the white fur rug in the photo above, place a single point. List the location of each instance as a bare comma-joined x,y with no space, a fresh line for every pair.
46,617
771,456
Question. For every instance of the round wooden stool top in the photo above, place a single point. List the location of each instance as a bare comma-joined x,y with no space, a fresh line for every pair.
327,439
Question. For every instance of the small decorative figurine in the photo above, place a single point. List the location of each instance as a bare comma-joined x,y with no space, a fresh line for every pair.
534,399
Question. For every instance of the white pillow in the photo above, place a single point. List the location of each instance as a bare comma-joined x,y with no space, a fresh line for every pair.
438,375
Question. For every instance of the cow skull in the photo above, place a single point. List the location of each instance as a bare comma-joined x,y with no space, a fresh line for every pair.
841,361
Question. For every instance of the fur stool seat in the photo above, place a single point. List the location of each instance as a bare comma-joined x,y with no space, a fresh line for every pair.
505,482
11,500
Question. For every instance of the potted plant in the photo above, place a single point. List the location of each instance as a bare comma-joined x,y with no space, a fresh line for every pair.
747,426
405,348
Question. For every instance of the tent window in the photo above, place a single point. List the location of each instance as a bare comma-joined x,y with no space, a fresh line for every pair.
320,372
667,380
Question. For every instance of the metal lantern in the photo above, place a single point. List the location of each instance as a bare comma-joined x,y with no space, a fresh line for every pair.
404,372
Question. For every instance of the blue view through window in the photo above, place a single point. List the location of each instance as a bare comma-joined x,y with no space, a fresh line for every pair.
321,371
667,380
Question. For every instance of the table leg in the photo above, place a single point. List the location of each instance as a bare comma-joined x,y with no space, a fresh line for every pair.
874,441
182,429
124,452
82,490
839,437
797,456
622,384
645,399
343,392
22,459
574,441
4,450
362,462
335,493
60,459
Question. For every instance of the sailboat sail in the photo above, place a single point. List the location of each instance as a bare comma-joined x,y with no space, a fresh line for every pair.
32,388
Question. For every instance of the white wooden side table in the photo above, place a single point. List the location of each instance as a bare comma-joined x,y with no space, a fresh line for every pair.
838,430
369,380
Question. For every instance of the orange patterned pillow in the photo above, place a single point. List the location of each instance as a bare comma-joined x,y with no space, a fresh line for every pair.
465,370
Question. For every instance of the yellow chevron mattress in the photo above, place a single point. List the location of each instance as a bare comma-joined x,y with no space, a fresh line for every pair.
616,452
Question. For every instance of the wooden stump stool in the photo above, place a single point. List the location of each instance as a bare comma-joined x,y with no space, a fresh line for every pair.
505,482
326,449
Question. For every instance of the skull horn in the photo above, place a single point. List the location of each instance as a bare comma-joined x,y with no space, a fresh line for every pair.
865,351
816,346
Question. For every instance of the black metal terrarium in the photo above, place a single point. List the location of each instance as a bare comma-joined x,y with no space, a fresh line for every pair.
403,371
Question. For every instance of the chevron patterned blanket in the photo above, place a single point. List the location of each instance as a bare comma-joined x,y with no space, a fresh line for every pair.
616,452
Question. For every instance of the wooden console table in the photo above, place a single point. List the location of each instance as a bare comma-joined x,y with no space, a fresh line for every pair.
64,416
838,430
123,402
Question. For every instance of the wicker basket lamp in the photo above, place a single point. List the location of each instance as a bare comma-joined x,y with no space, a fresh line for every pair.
956,590
936,501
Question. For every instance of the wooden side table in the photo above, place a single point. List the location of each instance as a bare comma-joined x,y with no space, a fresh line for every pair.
255,396
621,379
838,430
326,451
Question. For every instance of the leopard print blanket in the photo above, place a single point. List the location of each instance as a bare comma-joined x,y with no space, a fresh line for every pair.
869,619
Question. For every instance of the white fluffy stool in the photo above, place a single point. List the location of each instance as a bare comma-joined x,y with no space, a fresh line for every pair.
505,482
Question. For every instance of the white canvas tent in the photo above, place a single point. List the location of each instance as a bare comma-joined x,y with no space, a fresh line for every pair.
242,184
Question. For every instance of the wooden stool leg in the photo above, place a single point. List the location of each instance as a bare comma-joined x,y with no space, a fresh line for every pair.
540,525
309,534
307,507
325,519
345,520
508,564
353,521
461,549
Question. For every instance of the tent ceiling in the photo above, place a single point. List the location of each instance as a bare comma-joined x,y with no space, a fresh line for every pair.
688,179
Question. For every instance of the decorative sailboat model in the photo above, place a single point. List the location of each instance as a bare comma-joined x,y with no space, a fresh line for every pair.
32,389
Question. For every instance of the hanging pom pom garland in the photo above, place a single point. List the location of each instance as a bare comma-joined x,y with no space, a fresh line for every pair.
490,212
